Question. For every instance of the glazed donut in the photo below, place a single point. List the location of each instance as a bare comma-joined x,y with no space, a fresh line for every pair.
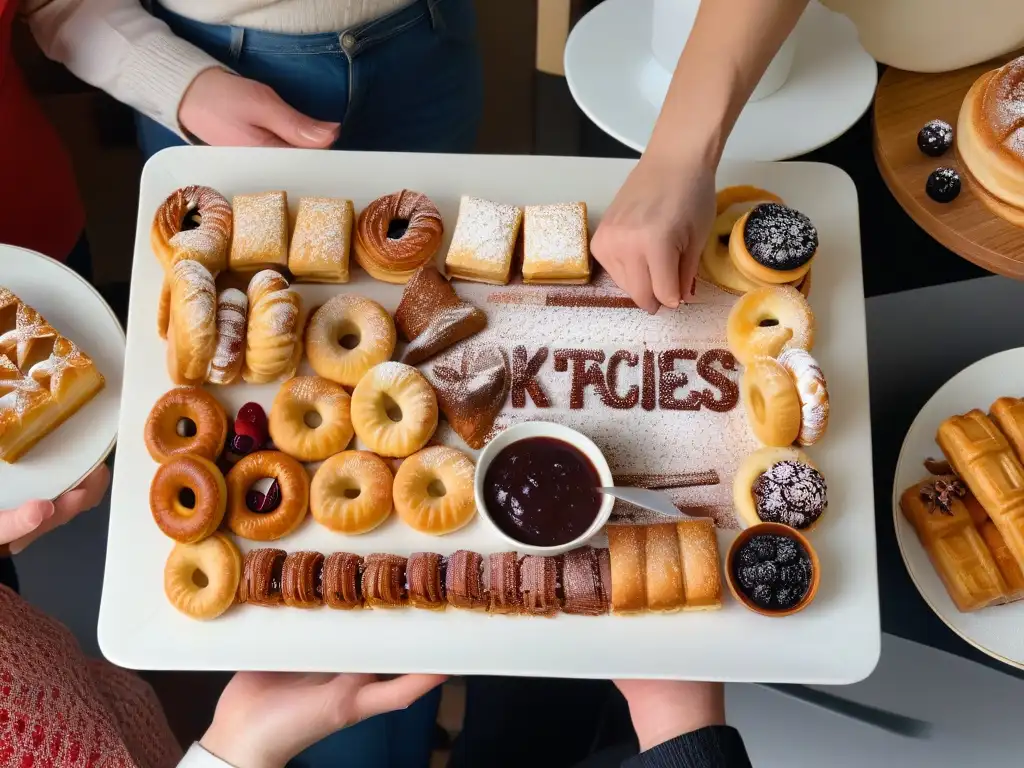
185,519
779,485
192,327
773,244
434,490
342,322
771,401
193,223
305,397
186,420
262,574
767,321
226,366
396,234
302,584
351,492
813,392
293,482
394,410
201,579
716,264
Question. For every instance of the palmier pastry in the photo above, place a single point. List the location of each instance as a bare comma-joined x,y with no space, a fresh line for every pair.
200,579
813,392
273,342
302,580
342,580
501,583
773,244
293,482
431,316
394,410
471,391
538,582
384,581
186,420
556,246
483,241
310,418
771,400
990,139
425,574
768,321
262,577
322,240
433,490
193,223
347,336
192,331
188,497
464,582
260,239
586,581
351,492
232,320
779,485
396,234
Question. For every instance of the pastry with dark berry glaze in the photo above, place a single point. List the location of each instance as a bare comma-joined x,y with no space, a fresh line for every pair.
773,244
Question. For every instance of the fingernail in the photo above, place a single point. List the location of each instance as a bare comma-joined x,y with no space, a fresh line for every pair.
319,131
47,509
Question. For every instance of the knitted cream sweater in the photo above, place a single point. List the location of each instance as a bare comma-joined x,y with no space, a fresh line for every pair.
117,46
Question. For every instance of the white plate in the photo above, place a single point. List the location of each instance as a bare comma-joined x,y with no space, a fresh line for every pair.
615,80
996,631
63,458
834,641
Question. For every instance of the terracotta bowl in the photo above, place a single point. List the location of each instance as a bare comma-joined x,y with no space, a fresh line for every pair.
779,530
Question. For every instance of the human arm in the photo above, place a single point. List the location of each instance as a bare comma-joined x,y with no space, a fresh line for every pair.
651,237
680,724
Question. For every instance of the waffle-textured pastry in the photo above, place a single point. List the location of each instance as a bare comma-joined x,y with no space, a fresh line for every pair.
539,584
193,223
342,581
302,580
273,339
321,241
192,331
556,246
232,320
464,583
1008,566
44,378
471,391
698,552
432,317
260,238
501,582
384,581
1008,414
956,549
425,574
586,581
484,240
261,577
397,234
664,574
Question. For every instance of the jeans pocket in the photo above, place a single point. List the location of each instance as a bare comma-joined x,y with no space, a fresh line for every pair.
454,20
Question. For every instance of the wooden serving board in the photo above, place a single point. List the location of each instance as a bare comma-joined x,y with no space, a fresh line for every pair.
905,101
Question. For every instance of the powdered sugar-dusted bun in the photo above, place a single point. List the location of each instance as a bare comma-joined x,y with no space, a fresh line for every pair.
232,309
192,330
193,223
273,341
813,392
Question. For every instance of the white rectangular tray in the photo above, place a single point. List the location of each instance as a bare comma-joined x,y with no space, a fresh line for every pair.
836,640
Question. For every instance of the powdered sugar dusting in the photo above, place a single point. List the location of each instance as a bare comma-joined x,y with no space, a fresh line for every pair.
323,226
484,231
813,391
555,234
263,282
780,237
364,314
195,295
261,228
390,374
437,456
1005,106
232,306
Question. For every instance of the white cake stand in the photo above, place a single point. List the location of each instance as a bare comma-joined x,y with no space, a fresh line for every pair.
617,82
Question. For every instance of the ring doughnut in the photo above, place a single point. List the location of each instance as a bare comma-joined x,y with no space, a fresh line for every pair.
771,401
773,244
396,235
434,490
779,485
188,521
351,492
769,320
345,320
293,482
201,579
193,223
813,392
394,410
204,425
300,399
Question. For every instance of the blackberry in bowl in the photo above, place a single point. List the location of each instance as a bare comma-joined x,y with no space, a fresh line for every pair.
772,569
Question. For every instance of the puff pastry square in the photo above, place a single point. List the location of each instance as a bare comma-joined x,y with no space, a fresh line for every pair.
322,240
556,245
260,237
484,240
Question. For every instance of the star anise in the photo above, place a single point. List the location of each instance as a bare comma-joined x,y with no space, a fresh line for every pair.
940,494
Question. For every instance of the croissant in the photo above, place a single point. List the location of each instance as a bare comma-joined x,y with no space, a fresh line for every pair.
192,329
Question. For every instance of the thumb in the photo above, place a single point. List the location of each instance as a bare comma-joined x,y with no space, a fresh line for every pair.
389,695
19,522
292,126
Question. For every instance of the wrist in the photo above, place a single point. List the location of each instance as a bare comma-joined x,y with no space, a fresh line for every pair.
234,750
660,718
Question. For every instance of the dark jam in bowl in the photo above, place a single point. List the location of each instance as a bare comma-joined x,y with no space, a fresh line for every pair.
542,491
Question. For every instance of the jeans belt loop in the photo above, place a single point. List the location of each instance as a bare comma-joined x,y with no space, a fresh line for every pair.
436,18
237,42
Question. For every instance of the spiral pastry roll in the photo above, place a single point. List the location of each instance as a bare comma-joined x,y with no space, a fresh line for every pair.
464,581
425,573
539,583
302,580
384,581
342,577
261,579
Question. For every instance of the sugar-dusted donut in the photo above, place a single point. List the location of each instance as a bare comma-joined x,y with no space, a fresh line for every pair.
394,410
351,492
293,483
347,336
434,490
769,320
310,418
188,497
770,398
201,579
186,420
813,392
396,234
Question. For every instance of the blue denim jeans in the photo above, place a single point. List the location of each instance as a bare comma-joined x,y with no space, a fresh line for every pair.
407,82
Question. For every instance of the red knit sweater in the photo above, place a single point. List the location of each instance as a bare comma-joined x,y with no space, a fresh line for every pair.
39,203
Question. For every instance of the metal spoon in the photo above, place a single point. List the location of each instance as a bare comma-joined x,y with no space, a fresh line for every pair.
655,501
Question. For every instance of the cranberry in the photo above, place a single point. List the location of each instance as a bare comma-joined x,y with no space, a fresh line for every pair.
243,445
263,503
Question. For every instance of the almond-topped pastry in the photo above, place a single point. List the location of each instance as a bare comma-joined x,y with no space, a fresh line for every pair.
471,393
321,241
432,317
538,582
556,246
384,581
464,581
342,581
484,240
260,237
501,581
425,574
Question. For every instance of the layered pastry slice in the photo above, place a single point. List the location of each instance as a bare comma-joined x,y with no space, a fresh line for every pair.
556,246
260,237
322,240
484,240
432,317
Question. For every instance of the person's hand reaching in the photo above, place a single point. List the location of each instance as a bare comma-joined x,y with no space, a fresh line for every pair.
225,110
651,237
663,709
21,526
264,719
